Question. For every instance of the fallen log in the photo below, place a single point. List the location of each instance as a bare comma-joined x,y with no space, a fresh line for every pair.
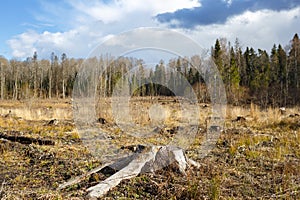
25,140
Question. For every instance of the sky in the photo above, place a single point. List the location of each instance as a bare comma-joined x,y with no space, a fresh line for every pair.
76,27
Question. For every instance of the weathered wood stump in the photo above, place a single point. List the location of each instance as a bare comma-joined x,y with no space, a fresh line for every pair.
148,160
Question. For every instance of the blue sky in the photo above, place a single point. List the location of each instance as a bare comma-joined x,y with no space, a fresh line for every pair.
77,26
11,23
17,17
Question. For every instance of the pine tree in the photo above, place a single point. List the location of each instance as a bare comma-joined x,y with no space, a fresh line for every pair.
294,71
264,71
217,55
234,75
282,61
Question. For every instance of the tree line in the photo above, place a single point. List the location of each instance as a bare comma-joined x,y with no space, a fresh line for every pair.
257,76
248,76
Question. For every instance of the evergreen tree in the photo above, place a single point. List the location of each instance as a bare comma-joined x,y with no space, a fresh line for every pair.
263,68
294,69
234,75
217,55
282,61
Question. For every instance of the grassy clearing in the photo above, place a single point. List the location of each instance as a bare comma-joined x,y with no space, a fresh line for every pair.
254,159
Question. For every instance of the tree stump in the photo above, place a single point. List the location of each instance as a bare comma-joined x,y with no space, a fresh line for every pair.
149,160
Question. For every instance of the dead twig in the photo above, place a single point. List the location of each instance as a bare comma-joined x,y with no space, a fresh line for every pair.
1,189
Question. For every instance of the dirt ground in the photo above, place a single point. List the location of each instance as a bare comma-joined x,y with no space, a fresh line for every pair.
257,155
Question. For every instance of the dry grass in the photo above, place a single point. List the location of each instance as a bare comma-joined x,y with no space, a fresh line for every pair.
255,159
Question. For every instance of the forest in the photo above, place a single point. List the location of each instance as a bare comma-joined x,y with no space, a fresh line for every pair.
249,75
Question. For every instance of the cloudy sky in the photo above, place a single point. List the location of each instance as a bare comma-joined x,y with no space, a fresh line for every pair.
78,26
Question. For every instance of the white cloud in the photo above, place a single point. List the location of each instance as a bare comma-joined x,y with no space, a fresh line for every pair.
76,42
94,21
117,10
260,29
229,2
91,22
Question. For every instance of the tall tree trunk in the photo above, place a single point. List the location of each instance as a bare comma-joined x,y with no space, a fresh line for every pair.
41,81
2,80
63,88
50,82
16,83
